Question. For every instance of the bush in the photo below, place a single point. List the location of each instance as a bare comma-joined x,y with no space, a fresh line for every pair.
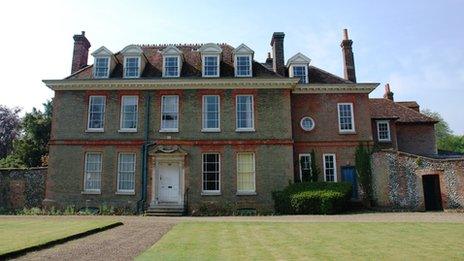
312,198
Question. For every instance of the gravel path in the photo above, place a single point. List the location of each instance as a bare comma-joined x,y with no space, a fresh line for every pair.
121,243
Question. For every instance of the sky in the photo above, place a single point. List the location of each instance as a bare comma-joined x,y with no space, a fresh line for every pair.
416,46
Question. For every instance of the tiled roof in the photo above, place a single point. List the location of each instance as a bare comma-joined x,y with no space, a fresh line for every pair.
191,66
410,104
387,109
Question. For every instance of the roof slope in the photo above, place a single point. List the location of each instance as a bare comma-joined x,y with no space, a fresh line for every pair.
191,66
387,109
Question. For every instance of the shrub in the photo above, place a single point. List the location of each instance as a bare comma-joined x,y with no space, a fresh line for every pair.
312,198
106,210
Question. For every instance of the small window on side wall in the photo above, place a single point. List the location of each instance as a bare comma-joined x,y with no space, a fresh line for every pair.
383,131
307,123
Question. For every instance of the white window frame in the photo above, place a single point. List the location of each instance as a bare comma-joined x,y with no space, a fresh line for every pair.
247,192
304,118
125,66
334,163
204,128
88,114
299,163
210,192
107,70
388,131
161,118
203,65
125,191
249,129
121,118
250,58
178,66
291,73
87,190
352,118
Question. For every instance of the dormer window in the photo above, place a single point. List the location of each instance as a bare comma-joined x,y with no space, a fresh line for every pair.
131,67
101,67
134,61
104,63
211,66
298,67
210,58
172,61
243,61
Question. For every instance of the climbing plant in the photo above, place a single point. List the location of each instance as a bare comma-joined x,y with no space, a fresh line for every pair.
364,171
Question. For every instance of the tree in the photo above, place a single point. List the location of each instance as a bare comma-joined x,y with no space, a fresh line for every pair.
446,140
32,147
9,129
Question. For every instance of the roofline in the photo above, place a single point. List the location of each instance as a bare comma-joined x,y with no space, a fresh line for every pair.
185,83
335,88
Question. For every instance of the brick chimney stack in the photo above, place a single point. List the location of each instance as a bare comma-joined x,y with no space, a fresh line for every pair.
277,43
388,93
80,53
348,57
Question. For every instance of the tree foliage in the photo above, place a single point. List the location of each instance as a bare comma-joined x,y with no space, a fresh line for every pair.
364,171
446,140
9,129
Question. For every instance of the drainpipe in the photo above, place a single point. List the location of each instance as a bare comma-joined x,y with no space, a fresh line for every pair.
146,144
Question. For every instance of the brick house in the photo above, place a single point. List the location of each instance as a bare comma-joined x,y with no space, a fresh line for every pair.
173,127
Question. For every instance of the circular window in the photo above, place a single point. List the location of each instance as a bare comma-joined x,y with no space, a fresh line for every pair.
307,123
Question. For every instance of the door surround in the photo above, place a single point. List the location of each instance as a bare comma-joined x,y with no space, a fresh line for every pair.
167,154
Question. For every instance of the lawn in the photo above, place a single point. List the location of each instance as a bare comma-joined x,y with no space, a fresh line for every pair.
20,233
283,241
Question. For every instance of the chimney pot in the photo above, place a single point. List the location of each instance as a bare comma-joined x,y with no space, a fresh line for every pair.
345,34
388,93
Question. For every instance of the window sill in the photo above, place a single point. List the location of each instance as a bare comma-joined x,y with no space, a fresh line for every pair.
210,76
244,193
205,193
211,130
127,130
169,130
245,130
347,132
125,193
243,76
94,130
88,192
384,141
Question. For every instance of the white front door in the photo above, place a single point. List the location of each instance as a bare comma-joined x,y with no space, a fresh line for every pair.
168,188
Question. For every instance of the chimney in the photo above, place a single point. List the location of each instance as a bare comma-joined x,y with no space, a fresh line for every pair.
80,53
269,58
388,93
348,57
277,43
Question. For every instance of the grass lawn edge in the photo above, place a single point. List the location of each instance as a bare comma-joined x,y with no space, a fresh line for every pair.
23,251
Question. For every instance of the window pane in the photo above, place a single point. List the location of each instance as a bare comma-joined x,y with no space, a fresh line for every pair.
211,172
126,172
345,116
245,172
93,167
243,65
169,118
329,167
300,72
129,112
171,66
101,67
132,67
245,112
96,112
210,112
211,65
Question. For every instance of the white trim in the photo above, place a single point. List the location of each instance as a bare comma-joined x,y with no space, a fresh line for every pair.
388,131
92,191
108,66
299,163
139,58
353,130
203,65
301,123
335,165
334,88
249,129
161,115
299,58
126,191
88,115
247,192
291,73
250,72
121,129
203,128
178,65
210,192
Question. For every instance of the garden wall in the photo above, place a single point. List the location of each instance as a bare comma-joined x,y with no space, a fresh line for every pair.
22,188
397,180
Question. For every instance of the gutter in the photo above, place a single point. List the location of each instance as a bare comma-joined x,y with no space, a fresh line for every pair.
146,144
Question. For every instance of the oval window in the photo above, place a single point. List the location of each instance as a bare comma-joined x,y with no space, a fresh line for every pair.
307,123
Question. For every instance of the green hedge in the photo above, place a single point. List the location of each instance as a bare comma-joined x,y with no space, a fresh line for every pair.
312,198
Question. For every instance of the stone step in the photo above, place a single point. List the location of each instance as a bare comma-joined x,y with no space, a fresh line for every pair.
165,211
